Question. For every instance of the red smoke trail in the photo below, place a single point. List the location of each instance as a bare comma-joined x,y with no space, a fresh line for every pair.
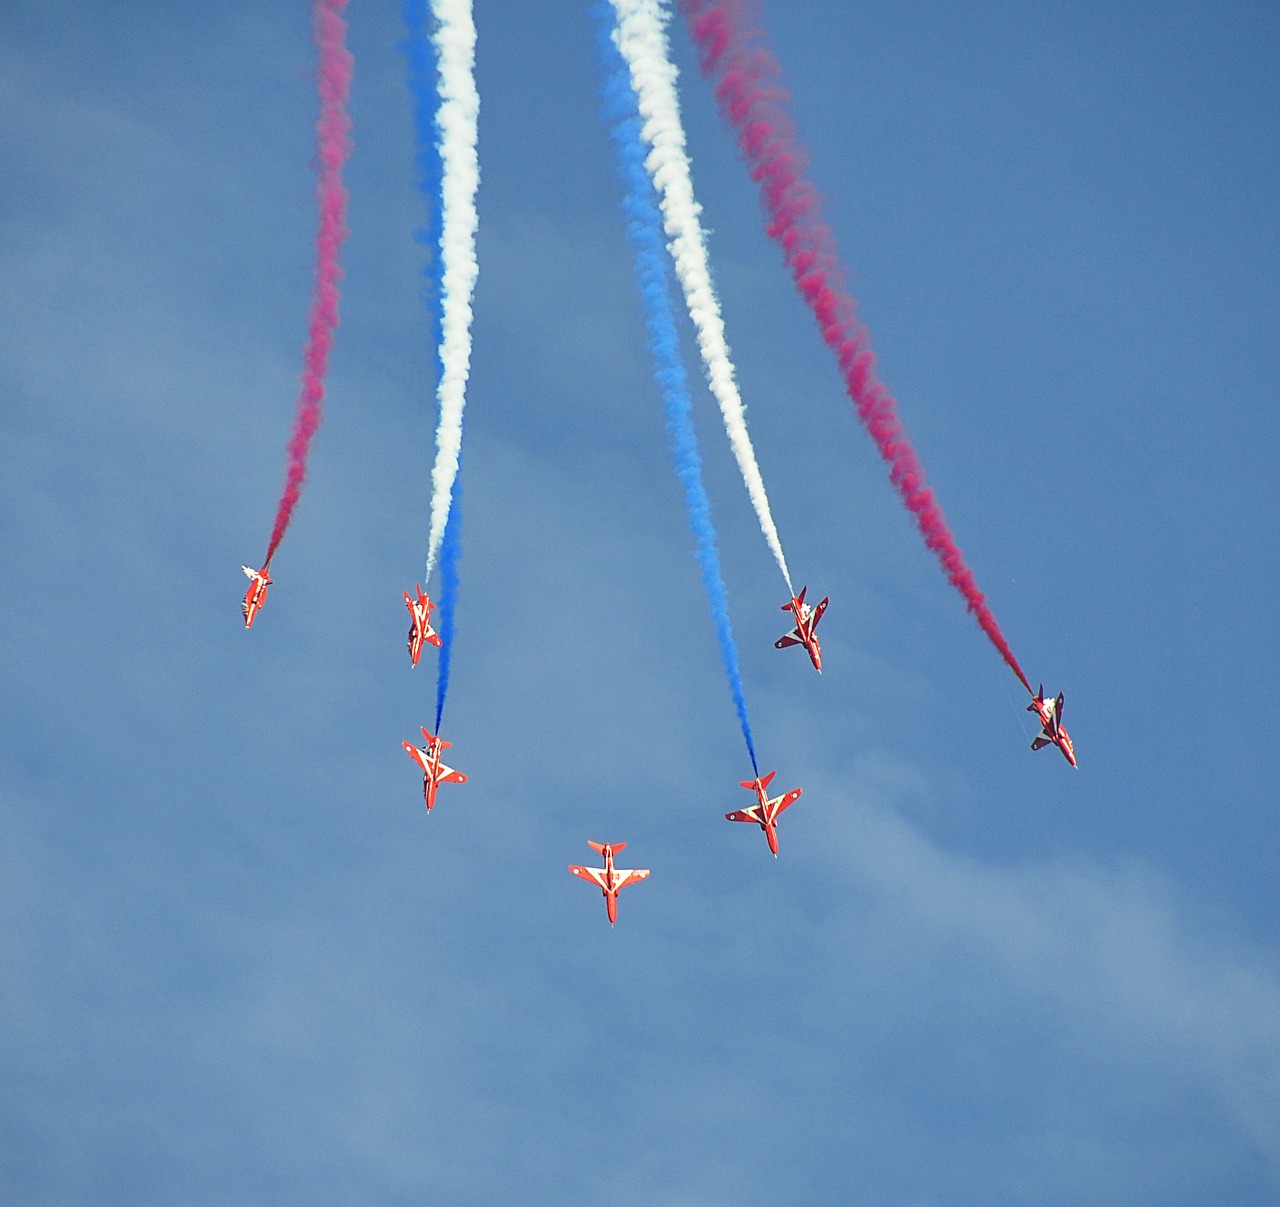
333,144
748,86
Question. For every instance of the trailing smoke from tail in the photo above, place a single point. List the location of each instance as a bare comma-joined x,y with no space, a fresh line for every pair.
334,143
752,98
641,37
644,228
424,86
445,113
454,37
450,555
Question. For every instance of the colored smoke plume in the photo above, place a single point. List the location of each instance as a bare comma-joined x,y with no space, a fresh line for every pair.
749,89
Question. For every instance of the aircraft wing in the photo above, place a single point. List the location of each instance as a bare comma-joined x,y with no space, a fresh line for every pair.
818,611
752,814
785,802
448,775
1040,742
792,638
590,875
417,755
631,876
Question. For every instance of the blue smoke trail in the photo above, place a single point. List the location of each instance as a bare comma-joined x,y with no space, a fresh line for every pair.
450,556
644,228
420,57
419,53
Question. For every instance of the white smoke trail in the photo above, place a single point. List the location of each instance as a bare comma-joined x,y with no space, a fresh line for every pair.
454,38
641,37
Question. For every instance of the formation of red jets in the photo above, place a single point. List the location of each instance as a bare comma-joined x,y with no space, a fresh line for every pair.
764,813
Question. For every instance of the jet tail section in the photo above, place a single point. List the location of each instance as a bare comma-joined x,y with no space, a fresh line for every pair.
764,782
600,846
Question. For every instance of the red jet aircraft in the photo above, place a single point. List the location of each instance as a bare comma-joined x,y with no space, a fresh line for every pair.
608,879
1055,733
765,813
805,631
434,772
256,595
420,629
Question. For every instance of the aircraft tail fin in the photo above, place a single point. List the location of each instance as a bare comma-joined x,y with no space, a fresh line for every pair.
764,781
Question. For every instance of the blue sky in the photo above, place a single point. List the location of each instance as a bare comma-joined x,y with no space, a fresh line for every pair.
239,962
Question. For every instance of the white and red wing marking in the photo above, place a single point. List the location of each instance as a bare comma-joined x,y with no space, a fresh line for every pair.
592,875
768,811
256,595
779,803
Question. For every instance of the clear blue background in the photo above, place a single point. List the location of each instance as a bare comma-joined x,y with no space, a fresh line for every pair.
239,964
